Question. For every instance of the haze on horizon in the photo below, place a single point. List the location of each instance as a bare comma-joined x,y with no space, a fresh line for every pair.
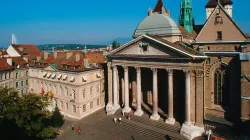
89,22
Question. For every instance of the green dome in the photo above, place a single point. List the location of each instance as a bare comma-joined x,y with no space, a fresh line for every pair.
157,24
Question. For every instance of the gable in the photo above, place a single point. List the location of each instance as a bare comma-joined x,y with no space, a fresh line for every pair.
219,20
12,51
149,49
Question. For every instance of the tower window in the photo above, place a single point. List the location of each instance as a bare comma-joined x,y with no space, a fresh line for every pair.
219,35
208,48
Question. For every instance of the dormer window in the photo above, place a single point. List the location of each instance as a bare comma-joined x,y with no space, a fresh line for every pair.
219,35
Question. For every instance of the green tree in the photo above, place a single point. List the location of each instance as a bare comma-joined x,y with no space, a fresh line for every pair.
28,112
57,118
115,44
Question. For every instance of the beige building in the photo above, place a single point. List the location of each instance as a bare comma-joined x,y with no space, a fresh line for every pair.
195,82
6,73
74,80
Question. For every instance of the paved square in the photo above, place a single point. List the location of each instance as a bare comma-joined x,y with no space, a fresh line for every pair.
99,126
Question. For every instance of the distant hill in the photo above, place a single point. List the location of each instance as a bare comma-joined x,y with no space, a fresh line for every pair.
120,40
49,47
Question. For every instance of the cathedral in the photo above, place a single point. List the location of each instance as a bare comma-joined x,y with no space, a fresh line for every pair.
196,74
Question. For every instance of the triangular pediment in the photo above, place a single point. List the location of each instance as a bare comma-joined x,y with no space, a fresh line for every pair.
49,68
220,21
147,46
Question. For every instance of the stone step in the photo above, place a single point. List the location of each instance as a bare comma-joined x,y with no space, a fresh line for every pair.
137,129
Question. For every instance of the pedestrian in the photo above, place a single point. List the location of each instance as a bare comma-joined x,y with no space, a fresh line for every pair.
120,120
115,119
79,130
72,127
128,116
123,113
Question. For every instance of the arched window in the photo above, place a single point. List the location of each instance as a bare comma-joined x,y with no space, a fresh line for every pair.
219,85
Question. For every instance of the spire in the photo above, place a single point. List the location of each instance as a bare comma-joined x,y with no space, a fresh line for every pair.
160,9
85,49
186,18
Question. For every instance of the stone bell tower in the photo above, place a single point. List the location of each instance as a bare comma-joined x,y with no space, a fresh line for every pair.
227,4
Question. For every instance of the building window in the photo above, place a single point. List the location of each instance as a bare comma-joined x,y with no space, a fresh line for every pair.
74,108
97,88
235,48
91,104
6,76
26,73
16,75
90,90
21,83
21,91
83,108
219,35
16,84
0,76
74,94
208,48
10,75
67,106
218,86
27,82
97,102
61,104
83,93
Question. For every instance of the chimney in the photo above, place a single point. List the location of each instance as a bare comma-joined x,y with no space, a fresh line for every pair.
9,61
38,58
25,59
55,53
69,54
46,55
86,63
77,57
20,49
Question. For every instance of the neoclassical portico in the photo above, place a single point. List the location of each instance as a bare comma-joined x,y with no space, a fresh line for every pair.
154,55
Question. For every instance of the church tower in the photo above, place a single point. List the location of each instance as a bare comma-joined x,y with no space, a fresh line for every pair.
227,4
186,18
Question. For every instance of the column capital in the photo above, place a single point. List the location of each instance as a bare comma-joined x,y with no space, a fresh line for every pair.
154,70
138,69
125,68
187,72
114,67
198,73
170,71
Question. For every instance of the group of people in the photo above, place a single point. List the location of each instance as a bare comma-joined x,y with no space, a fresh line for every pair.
120,119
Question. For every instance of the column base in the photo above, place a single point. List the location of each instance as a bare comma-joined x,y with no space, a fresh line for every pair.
155,117
126,110
190,131
170,121
138,112
111,109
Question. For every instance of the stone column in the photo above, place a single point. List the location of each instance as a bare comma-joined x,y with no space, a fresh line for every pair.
155,115
115,86
199,98
109,84
138,111
187,94
170,119
126,83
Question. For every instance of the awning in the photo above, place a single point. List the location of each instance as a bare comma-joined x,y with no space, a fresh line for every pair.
59,76
72,79
44,74
84,78
48,75
53,75
98,75
65,76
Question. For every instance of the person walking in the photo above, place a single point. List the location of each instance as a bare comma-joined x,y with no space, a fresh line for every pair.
120,120
128,116
79,130
72,127
115,119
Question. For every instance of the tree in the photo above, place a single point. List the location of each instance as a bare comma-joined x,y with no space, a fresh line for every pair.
28,112
57,118
115,44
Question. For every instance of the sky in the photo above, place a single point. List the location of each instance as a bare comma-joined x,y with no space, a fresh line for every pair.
89,21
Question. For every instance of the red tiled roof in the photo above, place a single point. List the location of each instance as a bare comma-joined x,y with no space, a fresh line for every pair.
4,65
93,58
214,3
19,61
158,6
185,32
28,49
